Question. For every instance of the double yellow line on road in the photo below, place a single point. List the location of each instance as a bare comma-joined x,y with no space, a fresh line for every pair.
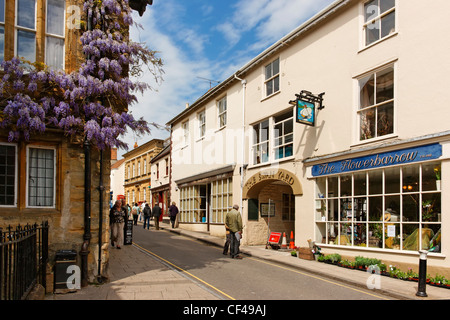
261,261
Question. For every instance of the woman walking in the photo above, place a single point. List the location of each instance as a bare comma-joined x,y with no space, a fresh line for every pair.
117,216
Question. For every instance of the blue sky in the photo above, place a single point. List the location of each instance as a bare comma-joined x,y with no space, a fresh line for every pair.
206,39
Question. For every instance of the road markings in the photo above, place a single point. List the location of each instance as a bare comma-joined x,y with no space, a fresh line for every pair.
182,270
316,277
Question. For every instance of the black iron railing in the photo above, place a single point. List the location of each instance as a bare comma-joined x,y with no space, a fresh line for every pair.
23,259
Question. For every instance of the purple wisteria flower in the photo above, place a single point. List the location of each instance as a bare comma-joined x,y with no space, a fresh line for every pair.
91,101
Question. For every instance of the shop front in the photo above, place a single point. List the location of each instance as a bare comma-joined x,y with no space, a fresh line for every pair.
387,202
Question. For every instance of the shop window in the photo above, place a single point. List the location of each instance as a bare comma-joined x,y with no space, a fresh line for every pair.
401,211
221,199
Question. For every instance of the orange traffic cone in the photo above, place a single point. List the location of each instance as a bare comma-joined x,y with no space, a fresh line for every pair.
284,243
291,243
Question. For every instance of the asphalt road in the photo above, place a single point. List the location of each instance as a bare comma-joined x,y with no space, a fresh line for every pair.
246,279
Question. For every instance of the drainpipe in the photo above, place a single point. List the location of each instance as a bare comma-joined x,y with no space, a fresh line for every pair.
101,188
244,87
87,214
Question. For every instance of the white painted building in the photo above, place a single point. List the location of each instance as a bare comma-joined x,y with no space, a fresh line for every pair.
368,178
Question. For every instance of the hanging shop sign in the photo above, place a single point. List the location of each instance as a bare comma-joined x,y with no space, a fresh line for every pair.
306,107
404,156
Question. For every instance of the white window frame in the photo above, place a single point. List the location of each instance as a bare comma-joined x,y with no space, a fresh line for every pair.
16,164
271,139
18,28
376,105
144,161
272,78
50,35
282,136
201,118
256,144
185,129
28,174
222,112
376,18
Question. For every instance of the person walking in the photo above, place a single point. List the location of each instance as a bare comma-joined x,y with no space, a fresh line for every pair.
233,221
117,216
227,241
156,213
147,214
135,212
173,211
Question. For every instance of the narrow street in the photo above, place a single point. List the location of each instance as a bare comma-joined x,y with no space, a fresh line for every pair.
246,279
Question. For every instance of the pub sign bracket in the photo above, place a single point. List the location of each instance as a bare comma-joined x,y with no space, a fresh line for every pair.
305,104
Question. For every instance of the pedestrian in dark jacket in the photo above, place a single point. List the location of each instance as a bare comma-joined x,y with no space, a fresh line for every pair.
147,214
156,213
173,211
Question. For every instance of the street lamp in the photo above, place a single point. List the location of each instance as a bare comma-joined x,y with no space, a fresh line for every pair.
140,5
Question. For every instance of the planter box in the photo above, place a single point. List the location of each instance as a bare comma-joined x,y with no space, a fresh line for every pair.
305,253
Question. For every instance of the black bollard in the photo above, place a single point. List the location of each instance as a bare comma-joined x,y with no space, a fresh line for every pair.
422,274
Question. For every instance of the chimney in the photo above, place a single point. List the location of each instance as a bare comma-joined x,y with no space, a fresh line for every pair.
187,105
113,154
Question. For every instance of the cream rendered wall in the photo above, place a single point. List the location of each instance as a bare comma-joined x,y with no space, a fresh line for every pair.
218,148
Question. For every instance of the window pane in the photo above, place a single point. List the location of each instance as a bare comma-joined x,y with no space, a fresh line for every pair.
411,208
268,71
371,10
385,121
41,177
2,43
367,90
269,87
376,182
367,124
388,24
26,45
385,5
2,10
276,67
276,84
410,179
26,10
385,85
360,183
55,53
430,176
372,32
7,174
375,208
346,185
55,17
392,180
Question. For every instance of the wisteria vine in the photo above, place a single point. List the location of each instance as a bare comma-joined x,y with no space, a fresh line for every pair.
92,101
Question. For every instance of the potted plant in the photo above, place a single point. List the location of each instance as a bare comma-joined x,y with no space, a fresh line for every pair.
437,172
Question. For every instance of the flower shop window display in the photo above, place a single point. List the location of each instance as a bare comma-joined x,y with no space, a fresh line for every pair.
395,208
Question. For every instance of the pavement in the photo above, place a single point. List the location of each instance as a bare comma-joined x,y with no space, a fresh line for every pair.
134,274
